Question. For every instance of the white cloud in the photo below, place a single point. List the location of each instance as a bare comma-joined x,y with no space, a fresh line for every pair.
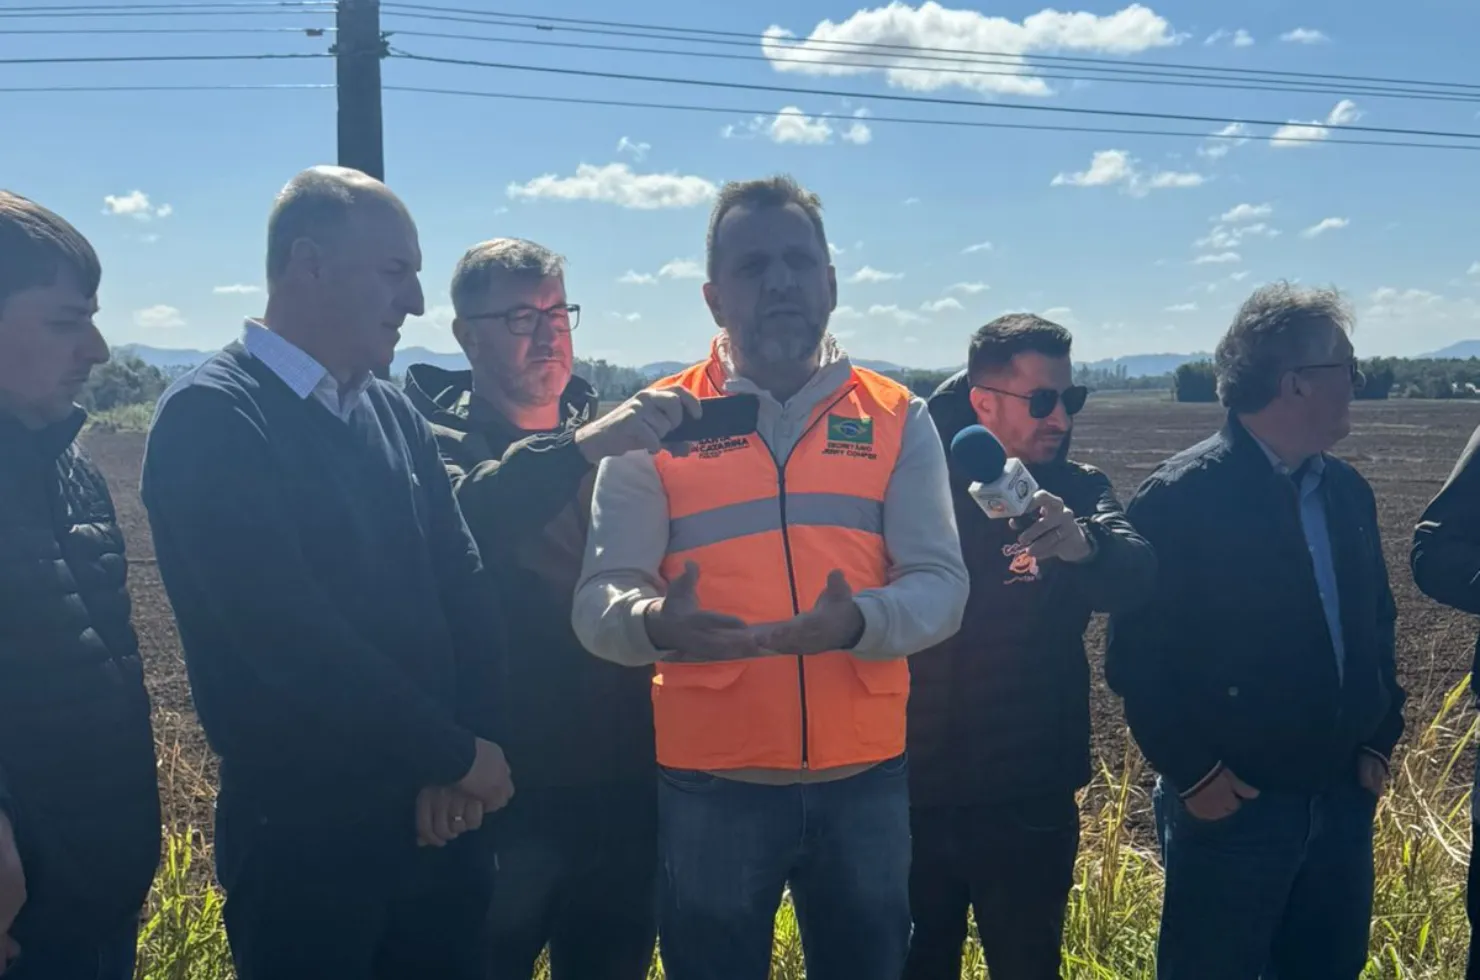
1475,269
1323,226
1058,313
682,269
791,125
160,317
629,317
846,313
978,247
1299,133
1239,38
1240,276
616,184
909,201
941,305
1245,212
135,204
239,289
893,310
637,279
1182,308
832,48
638,151
1217,258
1304,35
1111,168
1224,237
1221,142
835,250
972,288
869,274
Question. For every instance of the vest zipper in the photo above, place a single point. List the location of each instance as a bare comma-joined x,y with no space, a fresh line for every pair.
791,573
796,606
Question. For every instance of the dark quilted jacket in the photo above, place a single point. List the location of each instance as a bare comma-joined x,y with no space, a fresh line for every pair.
76,750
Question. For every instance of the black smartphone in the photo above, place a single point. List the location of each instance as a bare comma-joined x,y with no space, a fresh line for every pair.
725,416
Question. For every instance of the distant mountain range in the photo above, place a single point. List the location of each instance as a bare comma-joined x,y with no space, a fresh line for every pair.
1136,365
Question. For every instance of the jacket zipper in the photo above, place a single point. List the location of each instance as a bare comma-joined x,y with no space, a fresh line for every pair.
791,573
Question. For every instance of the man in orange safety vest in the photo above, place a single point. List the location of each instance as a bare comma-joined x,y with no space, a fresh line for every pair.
777,581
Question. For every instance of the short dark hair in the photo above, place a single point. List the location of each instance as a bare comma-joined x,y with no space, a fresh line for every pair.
39,247
1270,333
766,192
995,345
500,256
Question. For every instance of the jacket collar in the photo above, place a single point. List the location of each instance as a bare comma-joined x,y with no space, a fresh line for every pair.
45,444
445,397
1244,448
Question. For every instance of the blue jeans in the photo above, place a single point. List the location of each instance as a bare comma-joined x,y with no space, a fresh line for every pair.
111,959
728,849
1279,890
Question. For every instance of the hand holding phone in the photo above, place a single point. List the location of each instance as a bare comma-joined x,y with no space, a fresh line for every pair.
720,418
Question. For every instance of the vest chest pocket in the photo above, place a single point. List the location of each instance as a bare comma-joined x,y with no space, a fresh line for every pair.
710,677
879,709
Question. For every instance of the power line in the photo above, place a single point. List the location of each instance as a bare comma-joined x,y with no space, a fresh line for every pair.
965,123
126,59
540,21
923,99
308,31
285,86
1172,80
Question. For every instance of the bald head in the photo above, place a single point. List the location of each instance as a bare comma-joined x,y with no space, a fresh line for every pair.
317,205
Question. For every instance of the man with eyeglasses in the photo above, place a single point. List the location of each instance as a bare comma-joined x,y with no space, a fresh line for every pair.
1260,680
999,726
521,438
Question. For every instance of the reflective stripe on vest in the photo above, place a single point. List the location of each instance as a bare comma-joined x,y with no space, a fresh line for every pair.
765,535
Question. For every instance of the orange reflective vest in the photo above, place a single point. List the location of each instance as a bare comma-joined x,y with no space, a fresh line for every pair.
765,533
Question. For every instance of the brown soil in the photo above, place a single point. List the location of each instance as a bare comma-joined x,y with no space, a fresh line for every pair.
1405,448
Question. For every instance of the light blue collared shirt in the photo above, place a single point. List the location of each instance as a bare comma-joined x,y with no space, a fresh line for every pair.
1318,542
302,373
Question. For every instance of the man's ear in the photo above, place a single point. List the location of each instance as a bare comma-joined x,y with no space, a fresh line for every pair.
467,337
711,299
305,258
832,286
981,404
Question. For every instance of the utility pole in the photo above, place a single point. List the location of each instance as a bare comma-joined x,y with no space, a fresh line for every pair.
358,48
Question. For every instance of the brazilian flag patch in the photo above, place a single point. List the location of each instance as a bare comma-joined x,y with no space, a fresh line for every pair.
858,432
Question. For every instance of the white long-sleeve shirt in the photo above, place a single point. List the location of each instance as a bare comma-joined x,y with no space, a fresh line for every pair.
921,605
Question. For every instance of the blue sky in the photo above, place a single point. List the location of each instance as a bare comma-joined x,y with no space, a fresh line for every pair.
1137,243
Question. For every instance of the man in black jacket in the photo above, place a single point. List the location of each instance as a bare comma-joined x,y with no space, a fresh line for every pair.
1260,681
79,802
520,436
336,625
999,727
1446,567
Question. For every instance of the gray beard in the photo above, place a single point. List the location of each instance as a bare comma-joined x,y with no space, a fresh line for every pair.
760,347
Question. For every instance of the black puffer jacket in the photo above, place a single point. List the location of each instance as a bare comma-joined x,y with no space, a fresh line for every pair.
1001,710
566,718
76,748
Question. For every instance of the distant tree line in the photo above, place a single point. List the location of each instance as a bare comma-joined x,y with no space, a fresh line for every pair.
1386,377
123,381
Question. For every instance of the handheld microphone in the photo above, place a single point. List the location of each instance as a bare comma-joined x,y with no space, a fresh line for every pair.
1001,487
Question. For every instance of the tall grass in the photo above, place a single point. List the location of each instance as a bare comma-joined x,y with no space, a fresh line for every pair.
1418,920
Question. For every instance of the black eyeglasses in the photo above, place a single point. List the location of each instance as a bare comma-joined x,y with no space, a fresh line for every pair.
1043,401
1352,365
523,321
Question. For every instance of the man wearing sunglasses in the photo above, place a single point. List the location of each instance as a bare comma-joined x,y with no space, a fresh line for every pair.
1260,681
999,728
521,439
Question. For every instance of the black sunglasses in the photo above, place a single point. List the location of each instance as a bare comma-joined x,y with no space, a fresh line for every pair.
1359,379
1043,401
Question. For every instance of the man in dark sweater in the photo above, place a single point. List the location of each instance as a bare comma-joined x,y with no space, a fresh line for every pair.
337,630
999,728
1260,680
577,850
1446,566
79,802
